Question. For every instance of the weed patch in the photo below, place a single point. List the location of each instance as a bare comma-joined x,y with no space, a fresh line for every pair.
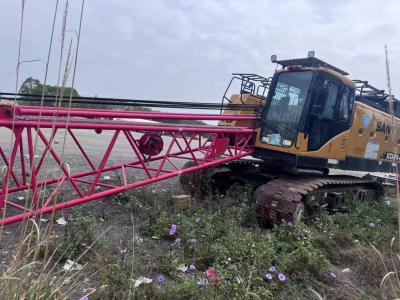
218,250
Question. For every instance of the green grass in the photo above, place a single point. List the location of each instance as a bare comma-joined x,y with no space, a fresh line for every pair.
229,239
223,234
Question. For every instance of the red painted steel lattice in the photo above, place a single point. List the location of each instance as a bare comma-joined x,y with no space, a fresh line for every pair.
41,173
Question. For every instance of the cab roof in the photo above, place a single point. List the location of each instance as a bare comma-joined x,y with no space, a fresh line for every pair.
311,62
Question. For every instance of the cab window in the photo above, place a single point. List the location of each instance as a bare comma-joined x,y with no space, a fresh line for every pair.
344,104
329,109
325,99
330,112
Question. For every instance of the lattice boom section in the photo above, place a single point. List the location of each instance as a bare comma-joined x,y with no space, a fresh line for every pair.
60,163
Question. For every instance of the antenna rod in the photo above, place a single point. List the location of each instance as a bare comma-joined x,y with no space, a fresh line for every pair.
394,141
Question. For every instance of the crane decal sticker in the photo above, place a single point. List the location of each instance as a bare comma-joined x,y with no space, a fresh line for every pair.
365,121
372,149
382,127
391,156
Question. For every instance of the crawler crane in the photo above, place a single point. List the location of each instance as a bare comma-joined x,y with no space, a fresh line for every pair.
293,129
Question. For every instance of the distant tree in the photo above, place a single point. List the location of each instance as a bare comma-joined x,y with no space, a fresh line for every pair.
29,86
32,86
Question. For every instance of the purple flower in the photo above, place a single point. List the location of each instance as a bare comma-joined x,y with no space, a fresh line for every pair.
372,225
84,298
202,282
268,276
193,241
192,267
172,231
177,242
289,223
333,275
272,269
197,220
281,277
160,279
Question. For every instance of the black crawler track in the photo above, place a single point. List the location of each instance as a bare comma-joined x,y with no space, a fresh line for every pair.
279,199
278,196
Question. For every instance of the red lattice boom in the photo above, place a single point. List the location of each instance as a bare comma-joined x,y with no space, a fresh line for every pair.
41,173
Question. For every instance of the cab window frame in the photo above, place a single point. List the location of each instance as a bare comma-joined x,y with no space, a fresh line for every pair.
341,86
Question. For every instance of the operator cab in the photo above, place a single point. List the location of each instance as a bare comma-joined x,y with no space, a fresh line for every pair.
306,96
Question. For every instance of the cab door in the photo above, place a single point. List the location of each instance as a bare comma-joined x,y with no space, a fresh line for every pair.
330,112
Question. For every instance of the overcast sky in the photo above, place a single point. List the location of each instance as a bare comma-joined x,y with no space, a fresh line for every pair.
187,49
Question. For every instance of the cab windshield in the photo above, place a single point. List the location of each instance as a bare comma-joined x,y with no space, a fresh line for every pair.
280,124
